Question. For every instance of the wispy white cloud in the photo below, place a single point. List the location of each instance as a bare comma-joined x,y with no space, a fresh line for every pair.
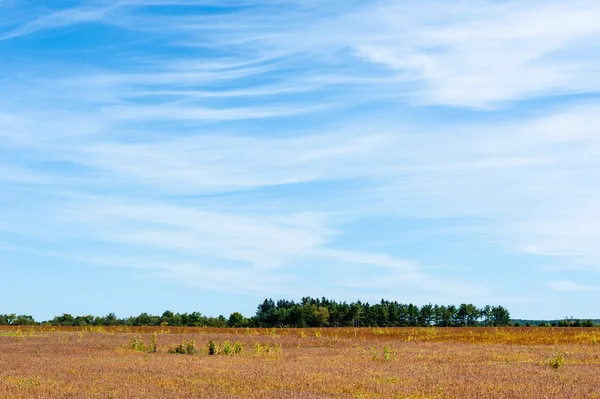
570,286
465,53
61,18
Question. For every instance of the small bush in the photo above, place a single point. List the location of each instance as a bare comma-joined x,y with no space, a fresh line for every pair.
138,345
178,349
237,348
556,361
185,348
267,349
190,347
213,348
227,348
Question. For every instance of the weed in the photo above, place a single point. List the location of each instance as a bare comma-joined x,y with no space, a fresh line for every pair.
190,347
213,348
178,349
237,348
185,348
387,354
556,361
267,349
227,348
153,342
138,345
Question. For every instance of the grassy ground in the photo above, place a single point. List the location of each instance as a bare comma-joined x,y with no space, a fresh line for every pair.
290,363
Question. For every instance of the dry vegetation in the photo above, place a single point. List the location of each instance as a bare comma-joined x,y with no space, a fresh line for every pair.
122,362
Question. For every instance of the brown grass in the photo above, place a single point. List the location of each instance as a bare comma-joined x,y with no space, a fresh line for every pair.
49,362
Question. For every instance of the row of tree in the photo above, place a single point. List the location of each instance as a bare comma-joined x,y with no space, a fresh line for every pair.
168,318
322,312
315,312
567,322
309,312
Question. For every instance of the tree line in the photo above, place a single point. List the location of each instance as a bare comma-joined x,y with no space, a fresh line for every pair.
566,322
309,312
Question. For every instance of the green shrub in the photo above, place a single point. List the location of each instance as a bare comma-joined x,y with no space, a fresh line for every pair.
190,347
227,348
237,348
213,348
185,348
138,345
556,361
178,349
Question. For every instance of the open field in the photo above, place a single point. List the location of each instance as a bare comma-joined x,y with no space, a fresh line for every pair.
119,362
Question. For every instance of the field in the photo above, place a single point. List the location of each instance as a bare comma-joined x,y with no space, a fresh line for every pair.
136,362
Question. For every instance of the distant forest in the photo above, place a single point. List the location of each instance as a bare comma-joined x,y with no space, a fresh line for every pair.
311,312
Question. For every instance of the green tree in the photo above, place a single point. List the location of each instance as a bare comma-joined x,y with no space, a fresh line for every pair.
236,320
413,315
426,315
24,320
65,320
500,316
321,316
110,320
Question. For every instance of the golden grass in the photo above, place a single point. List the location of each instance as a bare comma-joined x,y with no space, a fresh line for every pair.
100,362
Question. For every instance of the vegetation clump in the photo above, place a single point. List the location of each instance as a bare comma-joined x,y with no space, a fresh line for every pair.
213,348
388,354
556,361
185,348
227,348
138,345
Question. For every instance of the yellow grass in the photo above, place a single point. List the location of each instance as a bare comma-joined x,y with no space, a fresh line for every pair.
100,362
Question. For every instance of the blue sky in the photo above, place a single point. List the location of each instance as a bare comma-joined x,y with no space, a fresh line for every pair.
203,154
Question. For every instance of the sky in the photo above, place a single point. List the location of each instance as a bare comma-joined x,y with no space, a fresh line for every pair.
202,155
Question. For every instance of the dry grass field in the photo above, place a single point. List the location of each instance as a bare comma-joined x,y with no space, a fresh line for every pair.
120,362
